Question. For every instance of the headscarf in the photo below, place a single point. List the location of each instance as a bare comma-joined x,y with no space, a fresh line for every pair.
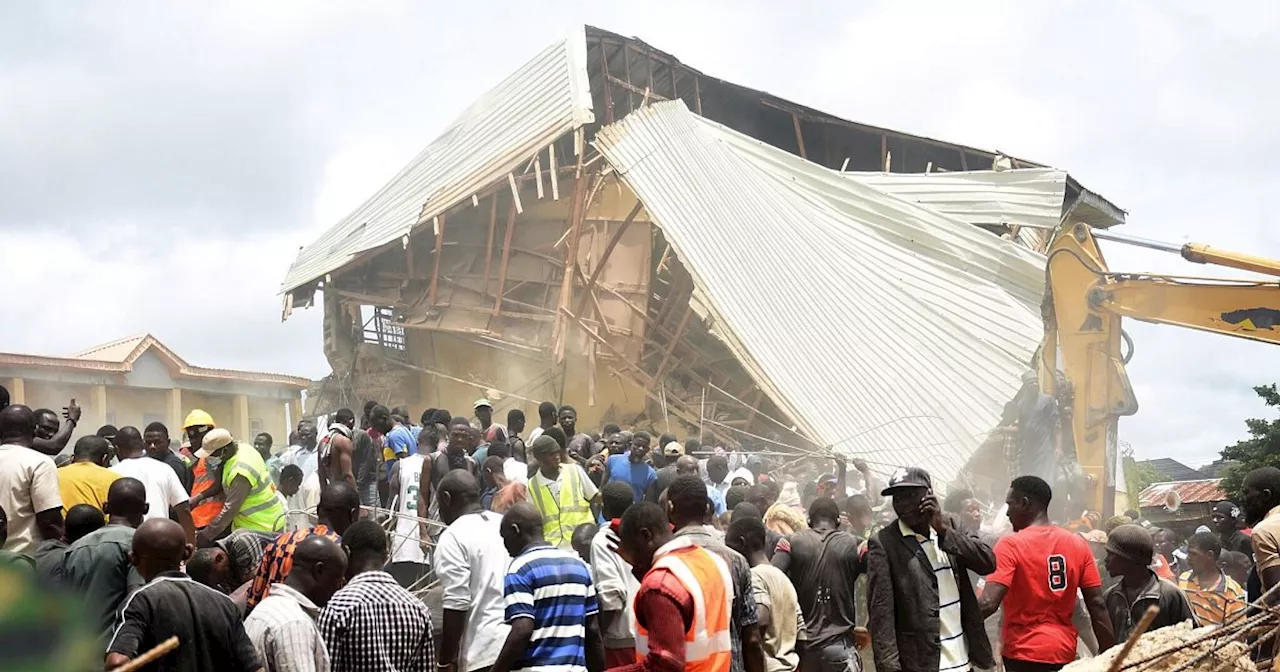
784,519
743,473
790,496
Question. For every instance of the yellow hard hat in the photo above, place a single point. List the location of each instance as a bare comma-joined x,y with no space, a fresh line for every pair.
197,418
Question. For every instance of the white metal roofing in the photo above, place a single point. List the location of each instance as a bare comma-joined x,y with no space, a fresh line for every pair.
546,98
985,197
1030,197
881,327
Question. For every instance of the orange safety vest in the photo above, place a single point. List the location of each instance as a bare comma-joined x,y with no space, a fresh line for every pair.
708,646
209,509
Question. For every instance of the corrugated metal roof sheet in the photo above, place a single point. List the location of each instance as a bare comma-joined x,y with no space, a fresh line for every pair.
881,327
546,98
1191,492
1032,196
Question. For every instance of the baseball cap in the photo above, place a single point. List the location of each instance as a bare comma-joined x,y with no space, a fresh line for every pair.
213,441
907,477
1227,509
673,449
481,402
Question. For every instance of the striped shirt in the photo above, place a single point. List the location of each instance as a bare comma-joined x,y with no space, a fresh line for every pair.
553,587
1212,604
954,656
283,630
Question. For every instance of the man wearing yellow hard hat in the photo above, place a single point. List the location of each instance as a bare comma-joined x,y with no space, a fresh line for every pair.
206,487
250,497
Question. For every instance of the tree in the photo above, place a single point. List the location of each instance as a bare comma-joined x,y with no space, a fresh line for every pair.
1261,449
1138,476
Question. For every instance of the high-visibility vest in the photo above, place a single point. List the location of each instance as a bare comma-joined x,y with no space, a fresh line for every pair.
204,479
571,510
261,510
708,644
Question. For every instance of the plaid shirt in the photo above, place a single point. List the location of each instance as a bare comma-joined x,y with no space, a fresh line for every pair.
277,560
373,625
744,600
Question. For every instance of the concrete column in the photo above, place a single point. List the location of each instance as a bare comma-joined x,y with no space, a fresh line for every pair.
17,390
240,418
174,414
96,411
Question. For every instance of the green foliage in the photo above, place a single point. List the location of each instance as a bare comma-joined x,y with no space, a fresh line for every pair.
1261,449
1137,476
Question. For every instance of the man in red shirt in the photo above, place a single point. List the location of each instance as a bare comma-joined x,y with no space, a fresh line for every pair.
1038,571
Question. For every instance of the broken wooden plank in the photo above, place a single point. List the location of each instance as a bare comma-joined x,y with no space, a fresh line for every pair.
515,193
555,180
506,258
435,271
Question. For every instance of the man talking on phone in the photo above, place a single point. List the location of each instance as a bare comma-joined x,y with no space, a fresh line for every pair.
923,611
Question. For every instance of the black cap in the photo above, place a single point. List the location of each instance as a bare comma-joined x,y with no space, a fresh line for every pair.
907,477
1227,509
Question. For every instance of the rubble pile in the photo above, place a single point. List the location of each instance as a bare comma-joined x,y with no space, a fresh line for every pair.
1174,649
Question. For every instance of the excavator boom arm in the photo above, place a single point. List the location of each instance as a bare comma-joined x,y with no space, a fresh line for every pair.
1083,340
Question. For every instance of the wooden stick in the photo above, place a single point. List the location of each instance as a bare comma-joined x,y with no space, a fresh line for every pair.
506,257
555,184
1142,626
150,656
488,246
795,121
608,250
608,93
435,270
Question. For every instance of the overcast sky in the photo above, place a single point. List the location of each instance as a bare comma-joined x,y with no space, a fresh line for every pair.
160,167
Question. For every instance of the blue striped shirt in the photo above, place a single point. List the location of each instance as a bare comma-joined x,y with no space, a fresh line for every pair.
553,587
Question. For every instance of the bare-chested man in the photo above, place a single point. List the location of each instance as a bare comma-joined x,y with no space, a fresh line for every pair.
348,455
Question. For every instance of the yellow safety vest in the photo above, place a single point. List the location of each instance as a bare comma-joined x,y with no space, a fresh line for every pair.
261,510
560,517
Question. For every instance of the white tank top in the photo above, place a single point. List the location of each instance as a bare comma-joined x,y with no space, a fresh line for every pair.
406,546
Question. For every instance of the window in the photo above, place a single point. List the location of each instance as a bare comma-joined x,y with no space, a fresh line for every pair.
256,426
148,418
380,328
111,418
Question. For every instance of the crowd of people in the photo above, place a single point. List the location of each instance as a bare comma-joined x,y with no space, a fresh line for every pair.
569,551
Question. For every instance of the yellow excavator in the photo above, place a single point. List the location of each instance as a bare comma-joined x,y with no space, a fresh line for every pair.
1081,361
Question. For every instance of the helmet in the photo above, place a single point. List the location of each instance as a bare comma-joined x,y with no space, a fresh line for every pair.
197,418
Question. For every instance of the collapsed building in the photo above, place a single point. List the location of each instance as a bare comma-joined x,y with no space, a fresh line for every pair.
613,229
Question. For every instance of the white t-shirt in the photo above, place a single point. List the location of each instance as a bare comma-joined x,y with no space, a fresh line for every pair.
471,563
28,485
303,503
164,490
616,589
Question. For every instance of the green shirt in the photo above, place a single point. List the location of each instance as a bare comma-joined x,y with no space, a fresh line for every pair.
97,566
44,631
17,562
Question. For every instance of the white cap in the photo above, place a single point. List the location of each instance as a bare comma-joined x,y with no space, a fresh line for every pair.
213,441
481,402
